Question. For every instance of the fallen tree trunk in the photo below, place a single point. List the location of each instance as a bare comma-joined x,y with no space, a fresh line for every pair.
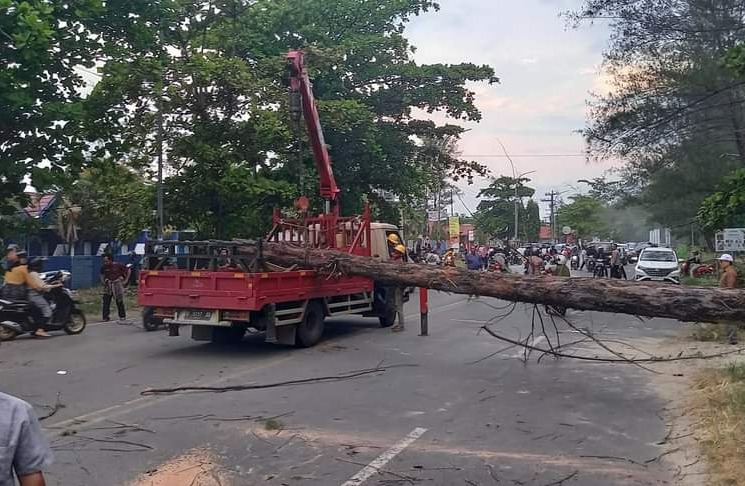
692,304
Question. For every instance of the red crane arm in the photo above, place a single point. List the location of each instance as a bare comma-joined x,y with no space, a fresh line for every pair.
301,99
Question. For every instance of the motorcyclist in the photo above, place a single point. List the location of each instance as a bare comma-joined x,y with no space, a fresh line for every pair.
688,265
11,256
22,283
601,263
448,259
562,270
35,292
616,266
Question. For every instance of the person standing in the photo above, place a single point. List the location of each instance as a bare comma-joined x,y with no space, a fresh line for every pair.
728,280
397,253
583,258
114,276
484,255
535,264
473,260
23,447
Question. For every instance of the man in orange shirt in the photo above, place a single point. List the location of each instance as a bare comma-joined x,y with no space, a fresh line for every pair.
728,280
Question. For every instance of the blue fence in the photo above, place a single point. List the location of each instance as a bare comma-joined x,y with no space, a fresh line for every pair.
85,270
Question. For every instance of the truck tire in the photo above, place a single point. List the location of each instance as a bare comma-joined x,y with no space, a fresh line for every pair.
149,322
310,331
389,317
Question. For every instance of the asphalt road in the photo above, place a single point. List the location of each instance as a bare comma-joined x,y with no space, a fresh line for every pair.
452,418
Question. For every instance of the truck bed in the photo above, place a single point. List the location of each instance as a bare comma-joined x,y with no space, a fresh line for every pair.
238,290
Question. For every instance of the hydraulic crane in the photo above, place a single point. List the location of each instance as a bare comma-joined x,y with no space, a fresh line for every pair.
303,105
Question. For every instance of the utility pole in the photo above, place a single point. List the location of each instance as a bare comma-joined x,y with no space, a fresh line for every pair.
159,124
551,199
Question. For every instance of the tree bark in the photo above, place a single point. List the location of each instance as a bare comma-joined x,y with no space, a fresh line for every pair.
692,304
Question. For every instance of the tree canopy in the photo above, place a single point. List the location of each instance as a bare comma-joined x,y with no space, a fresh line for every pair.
212,75
495,215
41,43
673,112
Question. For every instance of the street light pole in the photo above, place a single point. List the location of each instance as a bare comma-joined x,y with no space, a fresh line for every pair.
515,177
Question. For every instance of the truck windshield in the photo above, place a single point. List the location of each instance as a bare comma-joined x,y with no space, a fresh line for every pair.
658,256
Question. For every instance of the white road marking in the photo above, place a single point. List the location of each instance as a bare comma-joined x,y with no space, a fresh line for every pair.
383,459
535,342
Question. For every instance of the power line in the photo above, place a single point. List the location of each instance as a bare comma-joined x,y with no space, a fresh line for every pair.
503,156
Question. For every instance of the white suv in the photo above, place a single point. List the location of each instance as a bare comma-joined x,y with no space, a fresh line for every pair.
659,264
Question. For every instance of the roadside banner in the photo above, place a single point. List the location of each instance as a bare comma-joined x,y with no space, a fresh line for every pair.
730,239
454,226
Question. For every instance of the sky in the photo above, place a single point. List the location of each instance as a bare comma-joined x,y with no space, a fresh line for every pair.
547,71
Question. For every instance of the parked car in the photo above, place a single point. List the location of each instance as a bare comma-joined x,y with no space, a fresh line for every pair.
659,264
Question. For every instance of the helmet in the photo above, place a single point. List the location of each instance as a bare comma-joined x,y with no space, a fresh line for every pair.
393,238
36,264
562,260
11,247
401,249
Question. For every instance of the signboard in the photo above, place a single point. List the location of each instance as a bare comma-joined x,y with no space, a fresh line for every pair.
471,235
432,215
731,239
454,226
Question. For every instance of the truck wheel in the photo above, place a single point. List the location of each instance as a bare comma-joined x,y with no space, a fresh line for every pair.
149,322
228,335
309,331
389,317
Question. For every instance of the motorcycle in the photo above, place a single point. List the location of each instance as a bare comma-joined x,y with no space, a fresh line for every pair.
600,269
18,317
591,264
702,270
617,271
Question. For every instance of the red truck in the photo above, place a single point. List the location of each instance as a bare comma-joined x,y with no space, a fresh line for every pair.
221,293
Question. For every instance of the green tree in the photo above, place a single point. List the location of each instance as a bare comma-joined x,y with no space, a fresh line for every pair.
219,68
674,111
41,43
585,216
495,214
725,207
115,202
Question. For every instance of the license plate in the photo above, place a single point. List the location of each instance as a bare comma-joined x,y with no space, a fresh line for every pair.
199,315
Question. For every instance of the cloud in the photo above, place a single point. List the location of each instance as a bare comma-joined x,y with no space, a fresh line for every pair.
546,70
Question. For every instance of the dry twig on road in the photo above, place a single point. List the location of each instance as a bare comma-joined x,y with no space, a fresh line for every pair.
655,359
54,409
303,381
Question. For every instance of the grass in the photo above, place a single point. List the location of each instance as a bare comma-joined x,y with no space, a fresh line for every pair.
712,333
705,281
90,301
273,424
719,404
